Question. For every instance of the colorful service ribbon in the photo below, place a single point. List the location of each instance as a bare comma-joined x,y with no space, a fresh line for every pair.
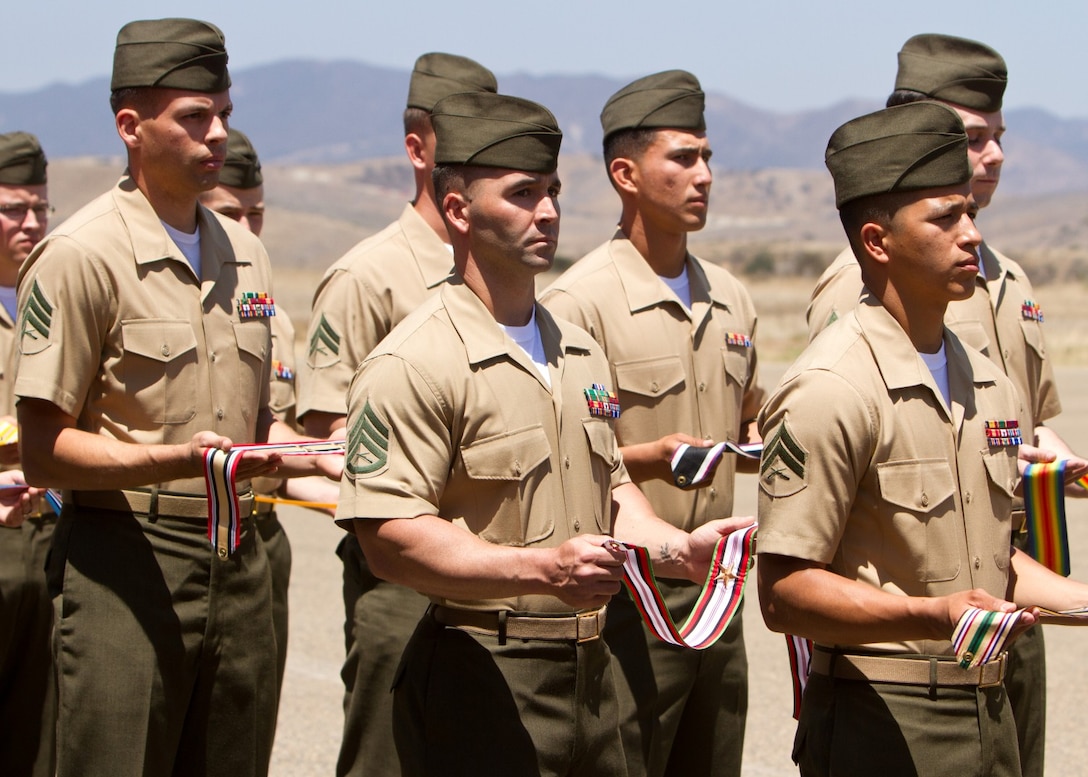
1044,501
981,635
800,650
220,471
717,604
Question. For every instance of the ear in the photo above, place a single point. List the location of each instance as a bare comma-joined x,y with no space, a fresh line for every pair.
128,127
455,210
416,150
624,174
874,238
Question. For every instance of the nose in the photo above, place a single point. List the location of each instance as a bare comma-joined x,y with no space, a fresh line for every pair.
993,154
970,235
548,209
32,221
217,132
704,176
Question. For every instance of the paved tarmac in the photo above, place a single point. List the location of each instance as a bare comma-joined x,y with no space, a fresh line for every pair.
308,736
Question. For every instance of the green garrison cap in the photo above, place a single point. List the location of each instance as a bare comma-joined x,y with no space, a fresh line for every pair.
909,147
953,70
22,161
669,100
495,130
242,167
171,54
437,75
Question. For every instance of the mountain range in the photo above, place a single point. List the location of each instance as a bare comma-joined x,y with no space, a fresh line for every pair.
304,112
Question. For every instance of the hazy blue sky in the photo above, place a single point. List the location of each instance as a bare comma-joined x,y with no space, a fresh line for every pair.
781,55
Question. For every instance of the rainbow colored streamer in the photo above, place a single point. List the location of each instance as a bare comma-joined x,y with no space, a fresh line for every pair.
1044,499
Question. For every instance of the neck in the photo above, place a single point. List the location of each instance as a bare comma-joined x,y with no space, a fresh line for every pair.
508,297
427,209
665,252
177,210
922,320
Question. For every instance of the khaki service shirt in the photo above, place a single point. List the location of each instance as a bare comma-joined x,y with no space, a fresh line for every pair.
675,370
865,468
7,363
449,417
991,320
116,330
361,298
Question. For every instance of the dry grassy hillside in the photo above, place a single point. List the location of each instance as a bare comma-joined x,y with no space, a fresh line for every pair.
777,228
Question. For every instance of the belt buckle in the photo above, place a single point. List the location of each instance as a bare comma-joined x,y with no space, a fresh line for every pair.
1001,662
588,626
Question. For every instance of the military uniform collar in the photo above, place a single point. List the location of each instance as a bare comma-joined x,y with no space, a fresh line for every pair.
642,286
900,365
432,256
151,243
485,340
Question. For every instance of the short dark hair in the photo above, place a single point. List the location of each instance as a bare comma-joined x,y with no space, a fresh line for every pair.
416,120
626,144
904,96
878,208
136,97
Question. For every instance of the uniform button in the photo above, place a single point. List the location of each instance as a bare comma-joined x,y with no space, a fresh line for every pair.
566,462
654,387
978,563
925,499
1006,353
713,492
702,387
967,497
213,357
219,414
165,350
577,525
517,467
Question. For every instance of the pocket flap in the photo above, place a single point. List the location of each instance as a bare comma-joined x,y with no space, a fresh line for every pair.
253,338
919,485
650,377
509,456
161,340
602,440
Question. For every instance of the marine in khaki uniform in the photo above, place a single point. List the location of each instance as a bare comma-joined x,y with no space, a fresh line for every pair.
240,196
478,472
884,505
678,333
1002,318
27,693
360,299
136,353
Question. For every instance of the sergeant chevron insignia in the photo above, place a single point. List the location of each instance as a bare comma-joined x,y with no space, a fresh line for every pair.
782,471
324,345
37,321
367,445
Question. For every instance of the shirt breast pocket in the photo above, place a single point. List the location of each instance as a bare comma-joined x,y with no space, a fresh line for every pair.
925,520
160,368
507,470
642,385
603,451
254,343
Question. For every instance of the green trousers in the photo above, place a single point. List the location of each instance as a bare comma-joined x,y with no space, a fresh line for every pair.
859,729
27,692
379,618
466,706
682,711
278,549
165,653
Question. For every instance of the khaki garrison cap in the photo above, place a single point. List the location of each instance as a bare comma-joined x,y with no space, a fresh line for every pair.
669,100
909,147
170,54
953,70
437,75
242,168
495,130
22,161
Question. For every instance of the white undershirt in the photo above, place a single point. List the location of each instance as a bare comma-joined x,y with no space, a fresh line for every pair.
528,340
981,264
938,367
8,295
188,244
680,286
